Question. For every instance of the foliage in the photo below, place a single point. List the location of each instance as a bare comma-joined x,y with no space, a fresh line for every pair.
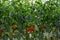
25,14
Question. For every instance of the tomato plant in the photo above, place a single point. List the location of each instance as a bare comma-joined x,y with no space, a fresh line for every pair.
17,17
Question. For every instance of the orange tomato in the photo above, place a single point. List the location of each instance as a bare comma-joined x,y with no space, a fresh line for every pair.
14,27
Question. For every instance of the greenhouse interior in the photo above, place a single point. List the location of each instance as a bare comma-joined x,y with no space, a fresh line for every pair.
29,19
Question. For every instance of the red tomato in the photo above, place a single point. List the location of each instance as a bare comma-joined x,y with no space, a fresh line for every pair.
42,27
30,29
